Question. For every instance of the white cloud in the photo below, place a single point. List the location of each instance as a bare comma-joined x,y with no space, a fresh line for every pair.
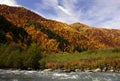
106,14
9,2
64,10
99,13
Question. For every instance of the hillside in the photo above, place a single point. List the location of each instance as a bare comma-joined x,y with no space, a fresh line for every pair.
20,25
108,37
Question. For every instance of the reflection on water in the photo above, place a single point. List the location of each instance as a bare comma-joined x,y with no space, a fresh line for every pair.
16,75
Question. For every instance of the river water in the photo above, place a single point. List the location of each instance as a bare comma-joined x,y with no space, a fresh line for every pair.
16,75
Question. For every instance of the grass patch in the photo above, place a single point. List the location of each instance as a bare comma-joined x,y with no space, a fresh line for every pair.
88,59
83,55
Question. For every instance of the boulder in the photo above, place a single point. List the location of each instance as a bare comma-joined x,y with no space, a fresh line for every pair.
97,70
46,70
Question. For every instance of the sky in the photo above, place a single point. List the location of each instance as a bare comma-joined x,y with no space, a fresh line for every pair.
95,13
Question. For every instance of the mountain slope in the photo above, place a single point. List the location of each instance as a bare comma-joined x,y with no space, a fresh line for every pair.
54,36
10,33
79,26
108,37
18,15
21,17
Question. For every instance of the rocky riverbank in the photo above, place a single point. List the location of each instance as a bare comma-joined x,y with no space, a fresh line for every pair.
84,70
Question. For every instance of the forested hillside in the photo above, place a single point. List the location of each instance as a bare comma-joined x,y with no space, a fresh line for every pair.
53,36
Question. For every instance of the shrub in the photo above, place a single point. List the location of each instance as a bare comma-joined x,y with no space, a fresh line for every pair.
32,57
11,56
116,50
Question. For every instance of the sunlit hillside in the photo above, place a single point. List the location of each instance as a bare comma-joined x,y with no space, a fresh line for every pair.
50,35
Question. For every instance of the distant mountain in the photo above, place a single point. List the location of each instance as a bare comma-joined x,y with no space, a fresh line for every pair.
20,25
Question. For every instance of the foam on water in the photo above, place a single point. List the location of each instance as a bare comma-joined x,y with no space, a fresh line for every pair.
65,76
16,75
70,77
60,75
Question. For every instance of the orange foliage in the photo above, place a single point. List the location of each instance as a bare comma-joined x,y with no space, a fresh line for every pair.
75,37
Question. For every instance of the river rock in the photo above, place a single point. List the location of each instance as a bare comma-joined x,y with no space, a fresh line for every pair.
104,69
29,69
77,70
97,70
112,70
67,70
46,70
88,70
58,70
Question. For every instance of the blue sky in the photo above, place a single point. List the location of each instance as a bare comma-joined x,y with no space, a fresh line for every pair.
96,13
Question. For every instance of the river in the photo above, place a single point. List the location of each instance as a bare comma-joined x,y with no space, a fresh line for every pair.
23,75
